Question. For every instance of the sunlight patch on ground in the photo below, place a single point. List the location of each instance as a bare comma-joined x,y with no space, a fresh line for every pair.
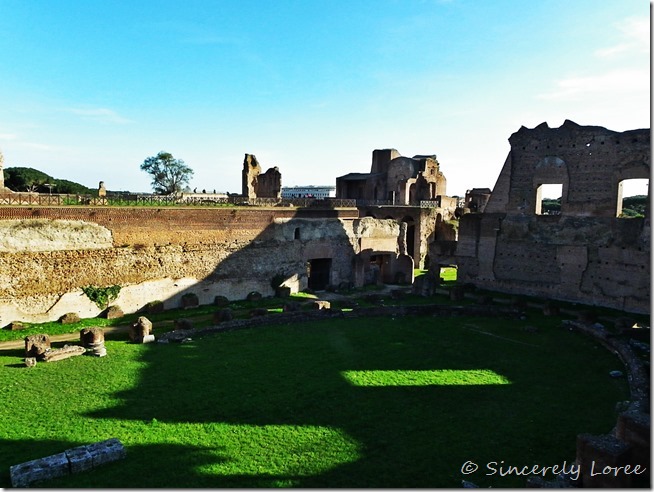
301,451
437,377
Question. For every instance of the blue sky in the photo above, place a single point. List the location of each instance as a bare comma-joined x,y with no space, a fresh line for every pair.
90,88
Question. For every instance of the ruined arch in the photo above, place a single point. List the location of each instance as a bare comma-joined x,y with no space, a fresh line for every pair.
550,170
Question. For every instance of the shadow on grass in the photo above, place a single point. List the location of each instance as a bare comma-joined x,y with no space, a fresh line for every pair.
399,436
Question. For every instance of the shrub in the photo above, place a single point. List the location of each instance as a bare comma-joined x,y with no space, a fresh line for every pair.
102,296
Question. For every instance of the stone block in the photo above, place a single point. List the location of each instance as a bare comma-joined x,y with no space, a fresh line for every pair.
79,459
254,296
140,329
154,307
36,345
318,305
69,318
634,429
106,451
91,337
63,353
221,301
595,453
148,339
114,312
190,300
283,291
24,474
223,315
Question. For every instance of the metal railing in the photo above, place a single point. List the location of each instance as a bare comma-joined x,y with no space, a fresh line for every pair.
142,200
139,200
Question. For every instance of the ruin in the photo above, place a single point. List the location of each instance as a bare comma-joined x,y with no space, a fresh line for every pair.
396,179
399,219
260,185
586,253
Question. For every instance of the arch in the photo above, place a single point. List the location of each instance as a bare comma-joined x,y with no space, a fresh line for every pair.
410,235
550,170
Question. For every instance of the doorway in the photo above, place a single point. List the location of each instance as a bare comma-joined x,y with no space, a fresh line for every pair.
319,272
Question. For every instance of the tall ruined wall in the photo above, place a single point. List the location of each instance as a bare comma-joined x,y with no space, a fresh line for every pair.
589,161
161,254
256,184
586,254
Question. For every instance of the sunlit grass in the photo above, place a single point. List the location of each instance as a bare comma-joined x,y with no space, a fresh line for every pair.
448,274
271,407
440,377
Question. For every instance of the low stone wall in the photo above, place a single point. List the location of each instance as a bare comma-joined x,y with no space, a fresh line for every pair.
74,460
620,458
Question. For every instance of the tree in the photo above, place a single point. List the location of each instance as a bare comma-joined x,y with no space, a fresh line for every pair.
29,179
169,175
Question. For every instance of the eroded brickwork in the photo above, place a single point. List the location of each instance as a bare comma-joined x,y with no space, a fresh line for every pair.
586,254
161,254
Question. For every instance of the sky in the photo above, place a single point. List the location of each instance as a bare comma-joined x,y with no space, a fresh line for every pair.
90,88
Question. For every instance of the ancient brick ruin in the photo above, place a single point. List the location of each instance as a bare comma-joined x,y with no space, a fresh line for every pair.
164,254
584,254
396,179
260,185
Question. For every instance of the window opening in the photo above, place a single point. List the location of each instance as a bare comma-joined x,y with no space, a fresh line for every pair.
633,198
548,199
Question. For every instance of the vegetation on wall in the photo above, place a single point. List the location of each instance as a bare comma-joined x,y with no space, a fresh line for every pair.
102,296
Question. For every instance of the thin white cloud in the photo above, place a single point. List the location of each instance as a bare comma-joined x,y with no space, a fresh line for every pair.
100,115
635,38
8,136
618,81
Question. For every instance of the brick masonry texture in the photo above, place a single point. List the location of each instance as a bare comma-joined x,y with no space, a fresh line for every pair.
220,251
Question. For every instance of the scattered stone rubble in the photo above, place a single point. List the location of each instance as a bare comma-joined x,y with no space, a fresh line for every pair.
93,341
141,331
74,460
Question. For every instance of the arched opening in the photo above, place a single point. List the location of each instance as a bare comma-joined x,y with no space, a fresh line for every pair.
412,194
548,199
633,198
296,233
410,236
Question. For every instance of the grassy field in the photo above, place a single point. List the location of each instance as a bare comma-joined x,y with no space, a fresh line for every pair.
375,402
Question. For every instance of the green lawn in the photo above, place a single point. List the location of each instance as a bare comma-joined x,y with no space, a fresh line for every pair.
375,402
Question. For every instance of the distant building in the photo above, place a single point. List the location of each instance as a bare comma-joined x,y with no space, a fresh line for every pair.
308,191
397,179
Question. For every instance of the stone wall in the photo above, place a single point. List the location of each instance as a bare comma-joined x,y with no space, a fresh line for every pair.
257,184
162,254
586,254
